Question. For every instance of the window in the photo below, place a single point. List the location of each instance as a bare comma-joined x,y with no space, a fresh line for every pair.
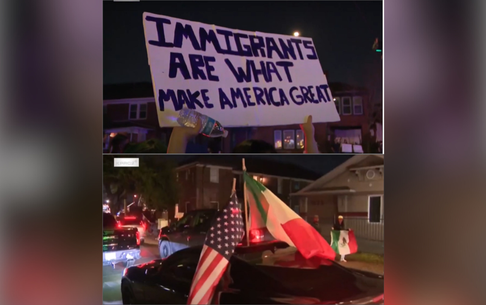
133,111
138,111
348,136
214,175
299,139
358,105
142,111
346,106
280,184
277,139
374,209
296,185
337,102
289,139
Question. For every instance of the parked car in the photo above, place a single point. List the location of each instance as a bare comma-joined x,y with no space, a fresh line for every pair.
135,220
191,231
270,275
119,244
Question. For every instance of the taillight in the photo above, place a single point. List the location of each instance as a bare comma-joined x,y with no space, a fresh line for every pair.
138,238
256,236
379,299
144,225
118,224
130,217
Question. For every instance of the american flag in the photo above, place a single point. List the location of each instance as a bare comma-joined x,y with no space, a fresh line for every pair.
225,233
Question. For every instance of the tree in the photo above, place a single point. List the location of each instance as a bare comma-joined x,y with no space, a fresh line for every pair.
154,180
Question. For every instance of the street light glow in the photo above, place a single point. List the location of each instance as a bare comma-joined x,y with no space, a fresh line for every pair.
107,201
296,34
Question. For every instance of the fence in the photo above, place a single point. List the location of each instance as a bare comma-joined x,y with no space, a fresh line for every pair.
364,229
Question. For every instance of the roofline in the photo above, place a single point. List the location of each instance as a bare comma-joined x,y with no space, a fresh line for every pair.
336,192
192,164
343,167
135,100
275,176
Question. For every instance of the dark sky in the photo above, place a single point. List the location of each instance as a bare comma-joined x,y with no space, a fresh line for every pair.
319,164
343,33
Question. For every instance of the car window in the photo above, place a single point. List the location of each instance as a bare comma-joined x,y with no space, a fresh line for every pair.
109,221
185,221
203,220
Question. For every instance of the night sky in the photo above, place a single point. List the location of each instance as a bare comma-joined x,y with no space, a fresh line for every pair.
343,33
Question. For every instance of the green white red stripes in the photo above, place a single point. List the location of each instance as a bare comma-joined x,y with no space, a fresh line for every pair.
343,242
267,210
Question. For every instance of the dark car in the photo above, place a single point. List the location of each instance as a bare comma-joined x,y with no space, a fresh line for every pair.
191,231
260,276
119,244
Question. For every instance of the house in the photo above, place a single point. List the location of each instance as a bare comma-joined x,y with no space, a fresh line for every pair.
353,106
354,190
207,181
130,110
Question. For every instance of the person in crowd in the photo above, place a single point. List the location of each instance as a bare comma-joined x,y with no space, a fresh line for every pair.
339,226
315,223
181,136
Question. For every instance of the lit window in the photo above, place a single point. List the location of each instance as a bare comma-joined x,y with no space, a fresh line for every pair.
346,106
214,175
299,139
277,139
289,139
357,105
337,101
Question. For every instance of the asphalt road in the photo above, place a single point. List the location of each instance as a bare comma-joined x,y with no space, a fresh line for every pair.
112,276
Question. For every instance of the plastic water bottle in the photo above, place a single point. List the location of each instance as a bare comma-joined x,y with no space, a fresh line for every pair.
209,127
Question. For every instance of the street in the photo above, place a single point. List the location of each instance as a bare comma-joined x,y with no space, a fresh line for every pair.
112,276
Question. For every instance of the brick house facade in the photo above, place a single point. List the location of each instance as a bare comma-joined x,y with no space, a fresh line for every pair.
206,182
130,110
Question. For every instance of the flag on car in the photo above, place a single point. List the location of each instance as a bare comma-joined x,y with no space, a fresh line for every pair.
343,242
283,223
221,240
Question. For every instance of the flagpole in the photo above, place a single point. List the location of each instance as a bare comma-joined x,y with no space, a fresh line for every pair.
246,205
233,190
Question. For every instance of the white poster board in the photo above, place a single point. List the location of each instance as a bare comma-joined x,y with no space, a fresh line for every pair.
238,78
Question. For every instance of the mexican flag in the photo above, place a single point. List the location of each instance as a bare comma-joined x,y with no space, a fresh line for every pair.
343,242
267,210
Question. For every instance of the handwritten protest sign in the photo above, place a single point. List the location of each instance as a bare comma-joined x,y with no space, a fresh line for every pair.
239,78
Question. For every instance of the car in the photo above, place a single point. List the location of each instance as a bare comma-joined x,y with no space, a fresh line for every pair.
191,231
135,220
120,245
274,274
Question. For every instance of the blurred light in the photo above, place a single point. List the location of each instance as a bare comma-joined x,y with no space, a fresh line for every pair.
135,196
378,50
107,201
296,34
112,135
